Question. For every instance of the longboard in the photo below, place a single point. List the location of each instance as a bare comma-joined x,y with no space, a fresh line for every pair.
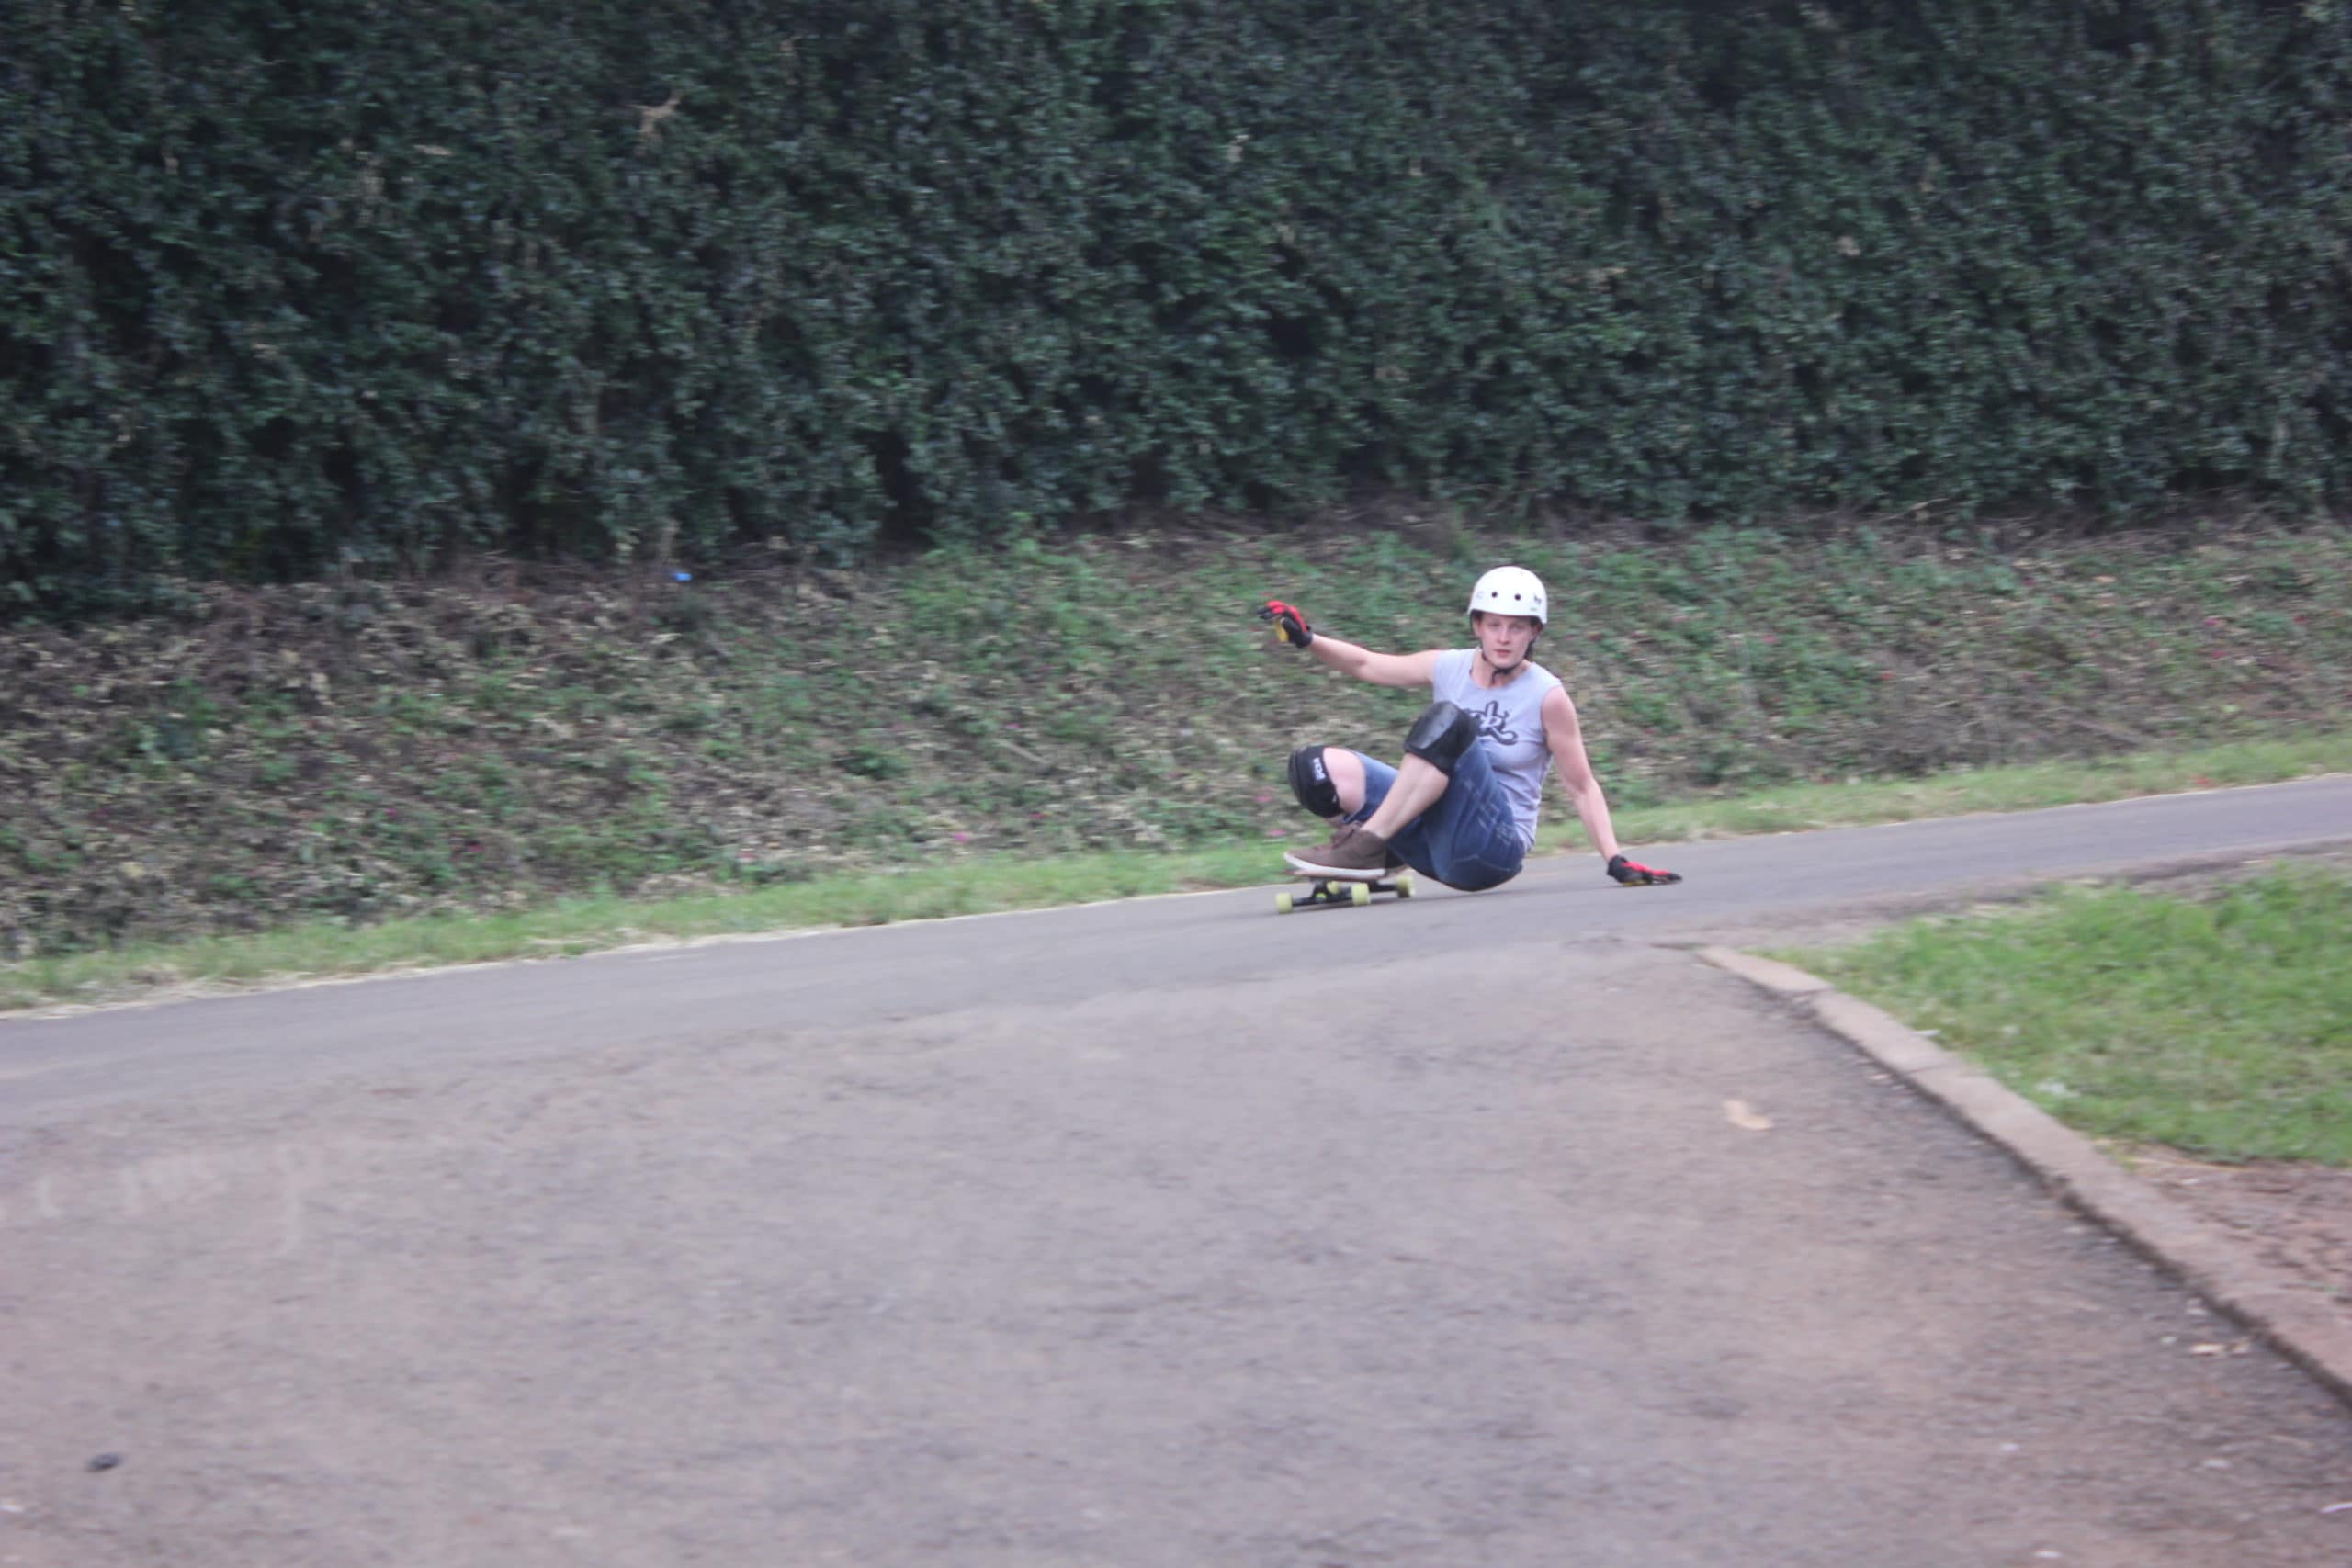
1325,889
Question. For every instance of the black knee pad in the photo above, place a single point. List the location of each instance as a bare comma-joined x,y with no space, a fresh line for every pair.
1311,782
1440,736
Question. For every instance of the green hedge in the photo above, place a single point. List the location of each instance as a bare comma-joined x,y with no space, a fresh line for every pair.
288,288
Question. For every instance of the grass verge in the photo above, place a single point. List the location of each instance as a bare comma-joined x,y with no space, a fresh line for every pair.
367,752
2219,1024
986,884
1961,792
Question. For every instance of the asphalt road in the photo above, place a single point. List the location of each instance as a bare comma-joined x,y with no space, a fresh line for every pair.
1161,1233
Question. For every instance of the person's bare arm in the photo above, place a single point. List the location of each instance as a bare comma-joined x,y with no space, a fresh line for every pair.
1380,668
1565,736
1348,658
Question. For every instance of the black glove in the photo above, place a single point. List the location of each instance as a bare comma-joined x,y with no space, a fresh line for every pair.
1290,623
1634,873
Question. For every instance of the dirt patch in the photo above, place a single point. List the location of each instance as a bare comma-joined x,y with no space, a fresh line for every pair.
2297,1218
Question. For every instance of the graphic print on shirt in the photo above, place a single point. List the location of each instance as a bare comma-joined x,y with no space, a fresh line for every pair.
1510,726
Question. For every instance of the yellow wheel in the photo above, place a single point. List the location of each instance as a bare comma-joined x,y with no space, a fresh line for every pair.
1404,880
1359,895
1282,904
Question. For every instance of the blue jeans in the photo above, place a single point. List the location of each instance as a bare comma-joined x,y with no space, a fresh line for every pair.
1467,840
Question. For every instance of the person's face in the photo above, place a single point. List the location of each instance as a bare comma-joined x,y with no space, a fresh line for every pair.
1504,639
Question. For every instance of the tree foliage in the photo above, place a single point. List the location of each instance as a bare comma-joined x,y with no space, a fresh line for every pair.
286,288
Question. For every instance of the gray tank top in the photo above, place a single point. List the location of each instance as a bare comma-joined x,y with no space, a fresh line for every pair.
1510,726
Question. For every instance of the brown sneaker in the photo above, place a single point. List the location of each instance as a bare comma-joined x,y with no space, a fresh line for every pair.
1353,851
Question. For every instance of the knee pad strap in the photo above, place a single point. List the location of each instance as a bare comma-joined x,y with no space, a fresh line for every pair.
1440,736
1311,782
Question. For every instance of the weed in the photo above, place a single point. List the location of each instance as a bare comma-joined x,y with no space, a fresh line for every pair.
872,761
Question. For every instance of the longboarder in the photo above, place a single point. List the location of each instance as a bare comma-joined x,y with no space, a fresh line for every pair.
1461,806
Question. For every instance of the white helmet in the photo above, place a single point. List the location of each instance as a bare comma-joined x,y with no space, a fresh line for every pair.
1509,590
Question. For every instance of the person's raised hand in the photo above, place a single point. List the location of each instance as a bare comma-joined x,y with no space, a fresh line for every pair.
1290,623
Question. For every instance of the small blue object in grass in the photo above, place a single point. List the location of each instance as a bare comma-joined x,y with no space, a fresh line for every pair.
682,576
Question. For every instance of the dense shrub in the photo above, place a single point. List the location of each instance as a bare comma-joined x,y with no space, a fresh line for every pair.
284,288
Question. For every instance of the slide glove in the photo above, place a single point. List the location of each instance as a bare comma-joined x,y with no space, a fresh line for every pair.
1634,873
1290,623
